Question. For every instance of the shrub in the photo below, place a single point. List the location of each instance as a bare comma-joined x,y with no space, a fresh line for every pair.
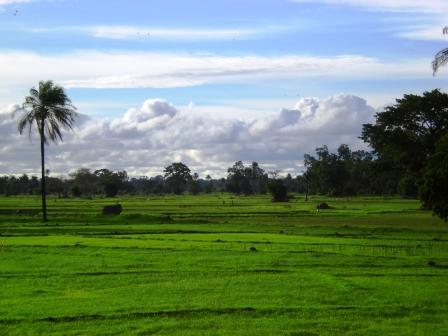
278,191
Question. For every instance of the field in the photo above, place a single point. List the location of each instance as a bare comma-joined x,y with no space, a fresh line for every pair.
222,265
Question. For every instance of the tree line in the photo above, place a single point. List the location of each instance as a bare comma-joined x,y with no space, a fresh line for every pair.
408,157
177,178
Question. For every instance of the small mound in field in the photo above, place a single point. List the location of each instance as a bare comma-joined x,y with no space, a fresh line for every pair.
114,210
432,263
323,206
28,212
253,249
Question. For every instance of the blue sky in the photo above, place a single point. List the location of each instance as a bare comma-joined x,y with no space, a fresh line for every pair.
229,59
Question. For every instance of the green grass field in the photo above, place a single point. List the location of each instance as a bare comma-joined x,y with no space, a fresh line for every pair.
198,265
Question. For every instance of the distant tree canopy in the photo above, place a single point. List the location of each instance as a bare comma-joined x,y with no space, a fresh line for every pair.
194,186
246,180
111,181
11,185
434,189
278,191
177,175
404,137
85,183
341,173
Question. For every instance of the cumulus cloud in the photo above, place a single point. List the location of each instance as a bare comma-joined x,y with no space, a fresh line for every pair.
147,138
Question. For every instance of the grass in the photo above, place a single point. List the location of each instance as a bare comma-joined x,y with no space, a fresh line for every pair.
198,265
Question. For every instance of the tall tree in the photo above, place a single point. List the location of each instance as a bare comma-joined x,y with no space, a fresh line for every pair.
433,191
50,110
405,134
111,181
441,57
177,174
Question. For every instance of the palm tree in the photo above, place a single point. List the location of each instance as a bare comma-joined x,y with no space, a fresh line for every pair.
441,57
50,109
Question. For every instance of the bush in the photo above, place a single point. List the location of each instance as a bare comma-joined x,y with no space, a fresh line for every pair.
278,191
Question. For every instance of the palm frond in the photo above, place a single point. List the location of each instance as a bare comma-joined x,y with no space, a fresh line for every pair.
440,60
26,120
34,93
49,107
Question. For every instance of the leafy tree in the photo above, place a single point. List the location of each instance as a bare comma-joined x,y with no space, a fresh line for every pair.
278,191
194,185
56,185
177,174
343,173
86,181
327,173
301,184
405,134
258,179
433,191
111,181
246,180
441,57
50,110
209,184
235,177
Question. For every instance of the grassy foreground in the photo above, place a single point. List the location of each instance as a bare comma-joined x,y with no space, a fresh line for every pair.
198,265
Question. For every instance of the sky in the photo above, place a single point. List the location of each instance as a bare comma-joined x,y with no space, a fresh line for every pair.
211,82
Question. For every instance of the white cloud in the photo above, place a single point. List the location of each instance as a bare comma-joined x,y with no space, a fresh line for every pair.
89,69
428,33
146,139
144,33
133,32
8,2
429,6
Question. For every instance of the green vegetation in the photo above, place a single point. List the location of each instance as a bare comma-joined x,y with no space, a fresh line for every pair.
435,182
222,265
50,110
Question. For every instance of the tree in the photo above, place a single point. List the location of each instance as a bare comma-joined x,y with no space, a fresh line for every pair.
441,57
433,191
235,177
194,186
327,174
246,180
345,173
50,110
209,184
278,191
86,181
405,134
111,181
177,174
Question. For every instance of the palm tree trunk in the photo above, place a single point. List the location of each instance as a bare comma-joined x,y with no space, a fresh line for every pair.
42,181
